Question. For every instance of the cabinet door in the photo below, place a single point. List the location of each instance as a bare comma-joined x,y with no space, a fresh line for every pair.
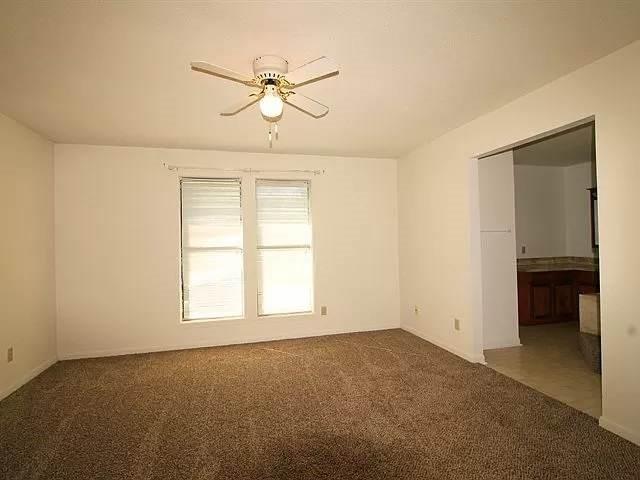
541,306
563,302
524,298
586,278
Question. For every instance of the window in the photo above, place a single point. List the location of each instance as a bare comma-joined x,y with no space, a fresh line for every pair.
285,259
212,255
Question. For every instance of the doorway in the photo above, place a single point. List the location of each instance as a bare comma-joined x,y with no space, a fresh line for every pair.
540,265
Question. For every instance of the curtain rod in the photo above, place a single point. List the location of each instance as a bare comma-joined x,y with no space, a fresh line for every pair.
242,170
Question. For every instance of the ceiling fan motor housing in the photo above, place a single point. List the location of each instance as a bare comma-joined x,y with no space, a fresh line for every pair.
270,67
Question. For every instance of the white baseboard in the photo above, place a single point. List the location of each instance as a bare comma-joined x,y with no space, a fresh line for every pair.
504,343
470,357
30,375
210,343
624,432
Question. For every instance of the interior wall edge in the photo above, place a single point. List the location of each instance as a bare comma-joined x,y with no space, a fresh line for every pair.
621,431
27,377
470,356
27,252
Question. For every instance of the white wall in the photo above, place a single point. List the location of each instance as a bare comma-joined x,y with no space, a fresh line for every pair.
498,251
549,213
117,249
553,211
27,290
577,209
540,211
438,219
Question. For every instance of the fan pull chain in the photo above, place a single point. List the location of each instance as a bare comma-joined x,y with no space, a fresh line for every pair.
273,130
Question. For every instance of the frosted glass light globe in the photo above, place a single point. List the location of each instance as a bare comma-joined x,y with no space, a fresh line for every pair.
271,105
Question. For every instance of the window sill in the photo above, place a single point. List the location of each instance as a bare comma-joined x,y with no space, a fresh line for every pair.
201,321
286,315
210,320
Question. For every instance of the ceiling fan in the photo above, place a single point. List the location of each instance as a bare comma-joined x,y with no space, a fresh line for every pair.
275,85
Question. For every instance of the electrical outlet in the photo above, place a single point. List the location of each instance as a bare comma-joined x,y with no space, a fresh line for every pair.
456,323
9,354
323,310
416,310
523,249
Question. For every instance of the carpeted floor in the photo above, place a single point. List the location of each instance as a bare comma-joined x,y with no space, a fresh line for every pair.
379,405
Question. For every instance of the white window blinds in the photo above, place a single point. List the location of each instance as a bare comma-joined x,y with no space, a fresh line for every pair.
212,255
285,259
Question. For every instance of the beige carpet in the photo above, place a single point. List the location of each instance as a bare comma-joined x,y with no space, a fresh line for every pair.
380,405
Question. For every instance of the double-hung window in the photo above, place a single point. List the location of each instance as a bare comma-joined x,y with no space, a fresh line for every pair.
284,251
212,249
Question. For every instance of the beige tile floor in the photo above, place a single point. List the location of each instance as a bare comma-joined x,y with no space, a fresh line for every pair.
549,361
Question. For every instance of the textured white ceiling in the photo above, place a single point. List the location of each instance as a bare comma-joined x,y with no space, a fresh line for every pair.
562,150
117,72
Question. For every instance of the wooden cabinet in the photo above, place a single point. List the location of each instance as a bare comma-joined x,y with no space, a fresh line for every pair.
563,304
541,296
546,297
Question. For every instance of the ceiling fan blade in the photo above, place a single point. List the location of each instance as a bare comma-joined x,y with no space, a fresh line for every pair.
205,67
241,105
307,105
313,71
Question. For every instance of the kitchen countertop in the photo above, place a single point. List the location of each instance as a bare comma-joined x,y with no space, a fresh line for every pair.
552,264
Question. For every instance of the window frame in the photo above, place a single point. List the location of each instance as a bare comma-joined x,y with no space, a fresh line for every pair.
249,242
240,180
311,246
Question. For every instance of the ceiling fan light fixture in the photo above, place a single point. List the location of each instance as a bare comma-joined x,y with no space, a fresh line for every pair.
276,86
271,104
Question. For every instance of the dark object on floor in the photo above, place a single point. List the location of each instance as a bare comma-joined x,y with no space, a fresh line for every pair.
379,405
590,348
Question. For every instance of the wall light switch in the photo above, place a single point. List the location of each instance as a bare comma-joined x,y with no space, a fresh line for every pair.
456,323
416,310
9,354
523,249
323,310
